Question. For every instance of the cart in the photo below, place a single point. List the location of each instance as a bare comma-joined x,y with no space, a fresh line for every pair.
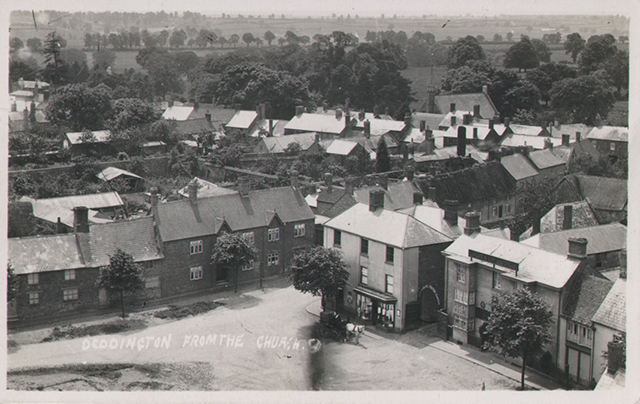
332,325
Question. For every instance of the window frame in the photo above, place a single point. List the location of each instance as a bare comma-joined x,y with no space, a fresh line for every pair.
496,280
461,273
299,230
388,287
337,238
249,265
273,259
70,294
196,247
364,246
249,237
364,275
273,234
390,253
34,298
69,274
196,273
33,278
464,297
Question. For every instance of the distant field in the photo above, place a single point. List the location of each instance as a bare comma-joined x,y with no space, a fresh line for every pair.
127,59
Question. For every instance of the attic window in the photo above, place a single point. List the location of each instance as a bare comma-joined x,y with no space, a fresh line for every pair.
69,274
274,234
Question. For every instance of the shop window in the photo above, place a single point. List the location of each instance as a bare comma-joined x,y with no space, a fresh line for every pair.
390,254
364,246
69,274
386,314
195,247
364,275
195,273
389,284
364,307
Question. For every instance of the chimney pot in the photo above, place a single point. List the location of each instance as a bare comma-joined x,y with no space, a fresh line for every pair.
60,228
451,212
476,111
299,110
418,198
81,219
423,126
577,248
462,141
578,136
193,191
472,223
328,181
243,186
567,221
452,107
338,114
376,199
485,89
367,129
410,172
566,139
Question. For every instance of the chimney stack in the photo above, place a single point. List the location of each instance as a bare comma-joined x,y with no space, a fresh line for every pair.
328,181
407,119
237,107
196,105
536,223
616,356
299,110
361,116
567,222
338,114
25,114
451,212
207,116
578,136
507,121
367,129
577,248
317,138
566,139
383,181
193,191
60,227
472,223
476,111
418,198
243,186
432,194
452,107
453,120
348,185
462,141
491,123
376,199
295,178
170,103
423,126
475,133
485,89
410,172
467,119
81,219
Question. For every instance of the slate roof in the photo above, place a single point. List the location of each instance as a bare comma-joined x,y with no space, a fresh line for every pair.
218,114
398,195
381,126
604,238
91,201
544,159
585,298
34,83
192,127
315,122
434,218
581,216
279,144
206,189
431,120
179,113
43,254
480,182
536,265
518,166
526,130
536,142
100,136
50,212
603,193
110,173
400,230
465,102
242,119
570,129
482,131
612,133
612,312
182,219
341,147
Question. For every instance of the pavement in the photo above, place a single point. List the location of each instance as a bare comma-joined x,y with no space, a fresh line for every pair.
487,360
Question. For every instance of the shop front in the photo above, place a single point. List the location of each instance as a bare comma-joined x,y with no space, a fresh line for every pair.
375,308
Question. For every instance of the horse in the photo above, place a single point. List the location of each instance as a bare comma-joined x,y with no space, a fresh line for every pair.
355,330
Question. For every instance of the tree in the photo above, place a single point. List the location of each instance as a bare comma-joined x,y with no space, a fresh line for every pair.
319,271
617,67
19,68
383,160
574,44
178,38
497,38
53,45
122,275
599,48
15,44
519,326
234,39
248,38
547,74
464,50
80,107
34,45
12,283
583,99
104,59
522,55
269,37
73,55
541,50
129,112
533,200
186,60
232,251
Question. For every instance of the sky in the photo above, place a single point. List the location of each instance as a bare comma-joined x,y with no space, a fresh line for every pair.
362,8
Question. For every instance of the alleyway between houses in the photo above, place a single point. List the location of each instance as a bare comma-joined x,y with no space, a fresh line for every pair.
258,341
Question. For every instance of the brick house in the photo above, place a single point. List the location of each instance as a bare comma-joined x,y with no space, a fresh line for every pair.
611,140
607,197
479,267
278,221
57,273
396,274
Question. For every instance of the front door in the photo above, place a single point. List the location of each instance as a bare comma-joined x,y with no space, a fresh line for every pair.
340,300
222,274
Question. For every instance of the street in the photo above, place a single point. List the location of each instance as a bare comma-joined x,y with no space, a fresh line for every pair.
257,341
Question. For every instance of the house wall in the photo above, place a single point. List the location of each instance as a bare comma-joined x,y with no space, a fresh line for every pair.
554,173
431,272
50,288
621,149
602,336
487,213
177,264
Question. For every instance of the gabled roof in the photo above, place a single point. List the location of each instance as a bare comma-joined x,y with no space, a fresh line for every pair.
613,312
52,212
581,216
466,102
433,216
341,147
34,84
527,130
480,182
544,159
242,119
182,219
482,131
179,113
603,193
431,120
535,265
191,127
44,253
612,133
601,239
585,298
381,126
518,166
281,143
400,230
569,129
218,114
315,122
536,142
398,195
91,201
206,189
100,136
110,173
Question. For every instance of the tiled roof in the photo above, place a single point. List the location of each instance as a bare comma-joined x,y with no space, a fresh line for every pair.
477,183
332,195
537,142
603,193
179,113
279,144
400,230
518,166
570,129
206,189
398,195
431,120
191,127
51,212
218,114
136,237
91,201
309,122
581,216
533,264
341,147
526,130
614,133
183,219
482,131
42,254
612,312
242,119
544,159
605,238
434,218
110,173
100,136
585,298
382,126
466,102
